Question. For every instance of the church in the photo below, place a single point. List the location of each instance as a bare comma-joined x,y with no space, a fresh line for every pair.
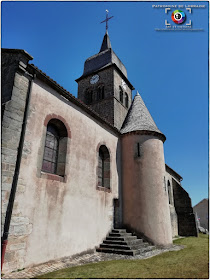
76,169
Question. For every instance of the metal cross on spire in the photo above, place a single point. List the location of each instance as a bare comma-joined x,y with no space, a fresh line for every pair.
107,19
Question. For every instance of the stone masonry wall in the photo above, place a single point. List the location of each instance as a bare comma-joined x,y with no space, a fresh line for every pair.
105,107
10,62
8,69
11,131
110,107
120,110
185,215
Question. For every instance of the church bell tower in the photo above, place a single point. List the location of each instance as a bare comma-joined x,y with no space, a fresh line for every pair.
104,85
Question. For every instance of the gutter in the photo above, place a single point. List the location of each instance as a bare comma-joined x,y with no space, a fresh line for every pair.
4,240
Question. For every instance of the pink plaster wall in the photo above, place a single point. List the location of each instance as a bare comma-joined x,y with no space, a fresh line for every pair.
67,216
145,200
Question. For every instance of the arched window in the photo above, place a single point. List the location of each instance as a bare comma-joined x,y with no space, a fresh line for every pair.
103,167
121,94
55,149
126,100
100,93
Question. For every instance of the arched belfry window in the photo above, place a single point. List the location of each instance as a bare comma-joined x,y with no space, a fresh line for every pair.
100,92
103,167
126,100
89,96
55,149
121,94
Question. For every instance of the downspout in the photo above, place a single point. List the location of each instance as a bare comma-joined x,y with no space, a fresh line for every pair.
16,173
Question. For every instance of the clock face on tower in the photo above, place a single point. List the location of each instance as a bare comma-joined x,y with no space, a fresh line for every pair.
123,84
94,79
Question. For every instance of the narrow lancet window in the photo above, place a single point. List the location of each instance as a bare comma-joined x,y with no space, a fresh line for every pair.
169,193
89,97
138,150
99,93
102,92
126,100
121,94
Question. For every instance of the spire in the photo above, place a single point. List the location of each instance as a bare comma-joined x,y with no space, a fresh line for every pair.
106,44
139,118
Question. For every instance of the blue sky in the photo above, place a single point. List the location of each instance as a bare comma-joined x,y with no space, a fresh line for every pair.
168,68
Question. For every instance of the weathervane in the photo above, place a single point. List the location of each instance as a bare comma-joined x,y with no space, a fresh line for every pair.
107,19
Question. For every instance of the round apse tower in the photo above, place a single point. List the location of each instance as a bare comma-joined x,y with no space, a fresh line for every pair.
145,199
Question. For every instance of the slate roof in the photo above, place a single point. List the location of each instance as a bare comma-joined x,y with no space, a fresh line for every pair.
106,44
105,56
139,118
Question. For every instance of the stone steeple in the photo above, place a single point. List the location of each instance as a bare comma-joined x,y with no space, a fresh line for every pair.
106,44
105,57
104,85
139,118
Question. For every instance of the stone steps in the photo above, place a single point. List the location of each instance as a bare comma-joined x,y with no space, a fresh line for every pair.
114,234
119,230
122,238
116,251
119,241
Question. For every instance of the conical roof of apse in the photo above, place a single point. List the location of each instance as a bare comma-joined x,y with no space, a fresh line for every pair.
139,118
106,44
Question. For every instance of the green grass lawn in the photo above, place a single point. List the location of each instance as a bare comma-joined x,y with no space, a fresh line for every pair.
190,262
